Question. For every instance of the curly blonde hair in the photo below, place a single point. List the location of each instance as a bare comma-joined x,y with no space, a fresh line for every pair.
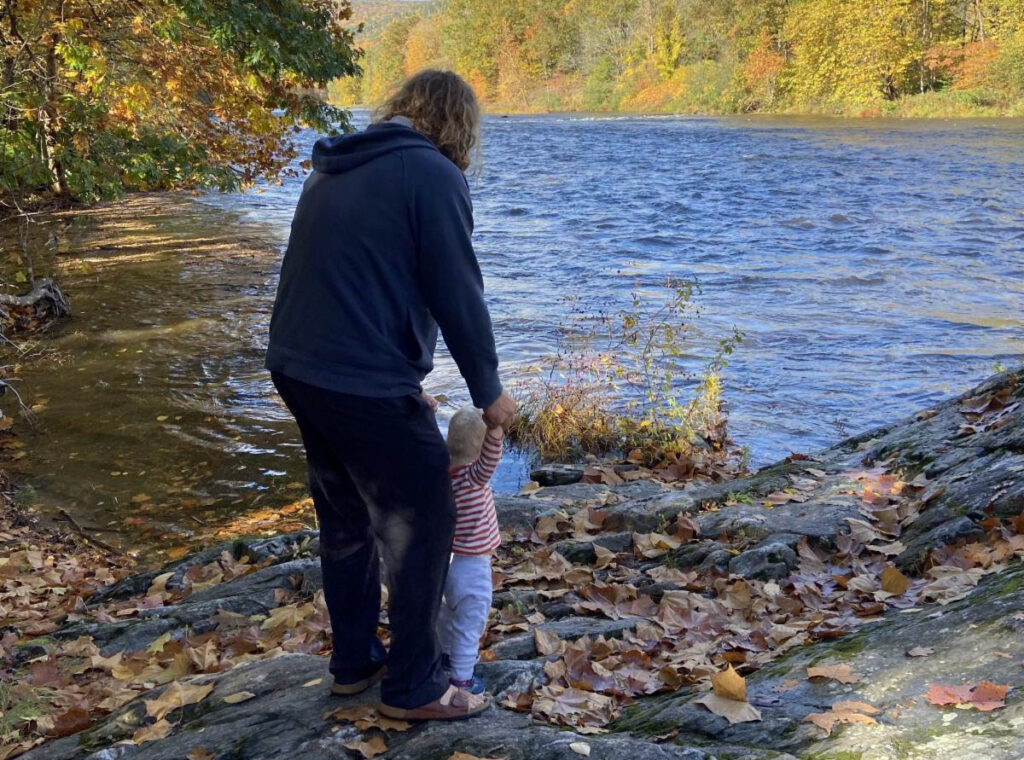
442,106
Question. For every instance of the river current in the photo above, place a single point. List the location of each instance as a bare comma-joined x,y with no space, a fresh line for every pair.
874,267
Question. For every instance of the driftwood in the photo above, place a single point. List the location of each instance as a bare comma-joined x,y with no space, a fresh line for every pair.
44,289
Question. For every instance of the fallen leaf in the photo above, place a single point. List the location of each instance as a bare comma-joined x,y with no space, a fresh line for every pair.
314,682
371,747
921,652
157,645
547,642
174,696
199,753
894,581
574,707
986,696
730,685
943,695
844,712
651,545
365,717
852,706
841,673
241,696
152,732
730,709
159,584
288,616
605,557
69,722
580,748
889,550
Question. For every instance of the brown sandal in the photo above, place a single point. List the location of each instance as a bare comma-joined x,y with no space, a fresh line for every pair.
454,704
348,689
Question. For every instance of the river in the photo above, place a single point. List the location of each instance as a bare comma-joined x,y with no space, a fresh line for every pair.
874,267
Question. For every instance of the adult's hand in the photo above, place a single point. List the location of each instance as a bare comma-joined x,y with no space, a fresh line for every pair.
501,412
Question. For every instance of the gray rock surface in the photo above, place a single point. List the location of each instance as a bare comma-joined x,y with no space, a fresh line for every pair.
765,561
247,595
975,638
970,638
521,646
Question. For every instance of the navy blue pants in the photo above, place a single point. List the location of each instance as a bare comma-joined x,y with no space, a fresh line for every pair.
378,474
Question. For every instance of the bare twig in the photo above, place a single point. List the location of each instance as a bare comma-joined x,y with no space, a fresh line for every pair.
84,534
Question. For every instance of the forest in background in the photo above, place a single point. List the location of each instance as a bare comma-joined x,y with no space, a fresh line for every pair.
852,57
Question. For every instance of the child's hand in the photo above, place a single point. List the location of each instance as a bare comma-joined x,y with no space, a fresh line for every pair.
430,400
496,434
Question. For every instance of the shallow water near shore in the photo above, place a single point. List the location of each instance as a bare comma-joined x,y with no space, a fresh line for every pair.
874,266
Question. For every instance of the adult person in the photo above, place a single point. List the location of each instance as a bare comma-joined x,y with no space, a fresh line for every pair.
379,257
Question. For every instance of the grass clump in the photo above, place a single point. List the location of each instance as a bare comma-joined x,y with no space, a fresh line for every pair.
620,383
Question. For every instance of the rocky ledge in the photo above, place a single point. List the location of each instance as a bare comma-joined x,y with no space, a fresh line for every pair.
861,594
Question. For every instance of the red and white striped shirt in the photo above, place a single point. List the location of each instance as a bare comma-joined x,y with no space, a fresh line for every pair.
476,522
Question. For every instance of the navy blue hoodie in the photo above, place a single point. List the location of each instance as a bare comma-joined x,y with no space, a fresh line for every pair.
379,256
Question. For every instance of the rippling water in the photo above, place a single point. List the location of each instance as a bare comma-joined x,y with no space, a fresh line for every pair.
874,266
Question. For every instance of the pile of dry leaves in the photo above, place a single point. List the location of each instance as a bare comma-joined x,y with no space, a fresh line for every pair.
689,626
56,687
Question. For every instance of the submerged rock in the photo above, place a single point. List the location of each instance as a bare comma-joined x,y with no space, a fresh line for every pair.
557,474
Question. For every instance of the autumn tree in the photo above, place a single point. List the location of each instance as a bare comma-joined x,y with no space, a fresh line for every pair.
386,60
761,69
852,51
103,96
424,46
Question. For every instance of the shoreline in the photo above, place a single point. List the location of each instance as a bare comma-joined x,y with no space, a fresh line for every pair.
860,117
795,575
140,237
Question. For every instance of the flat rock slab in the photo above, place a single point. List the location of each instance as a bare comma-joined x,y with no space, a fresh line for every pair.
285,719
971,639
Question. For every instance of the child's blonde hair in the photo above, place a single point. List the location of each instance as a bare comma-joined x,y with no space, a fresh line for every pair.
466,432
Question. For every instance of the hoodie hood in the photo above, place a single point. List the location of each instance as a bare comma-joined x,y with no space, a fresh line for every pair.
334,155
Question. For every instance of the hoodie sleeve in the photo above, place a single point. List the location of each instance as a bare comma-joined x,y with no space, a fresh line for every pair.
449,275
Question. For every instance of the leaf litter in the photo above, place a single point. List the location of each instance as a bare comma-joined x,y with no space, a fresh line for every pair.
705,629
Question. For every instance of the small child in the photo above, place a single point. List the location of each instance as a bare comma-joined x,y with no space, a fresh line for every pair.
475,451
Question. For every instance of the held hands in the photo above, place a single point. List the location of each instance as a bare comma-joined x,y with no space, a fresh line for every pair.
431,401
501,413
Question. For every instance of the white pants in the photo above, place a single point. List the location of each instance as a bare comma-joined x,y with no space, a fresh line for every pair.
464,611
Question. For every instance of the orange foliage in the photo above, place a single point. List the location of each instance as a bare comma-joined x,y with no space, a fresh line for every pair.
968,66
654,94
421,50
762,68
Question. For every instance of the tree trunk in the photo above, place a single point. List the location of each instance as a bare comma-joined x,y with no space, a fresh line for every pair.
49,116
922,70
